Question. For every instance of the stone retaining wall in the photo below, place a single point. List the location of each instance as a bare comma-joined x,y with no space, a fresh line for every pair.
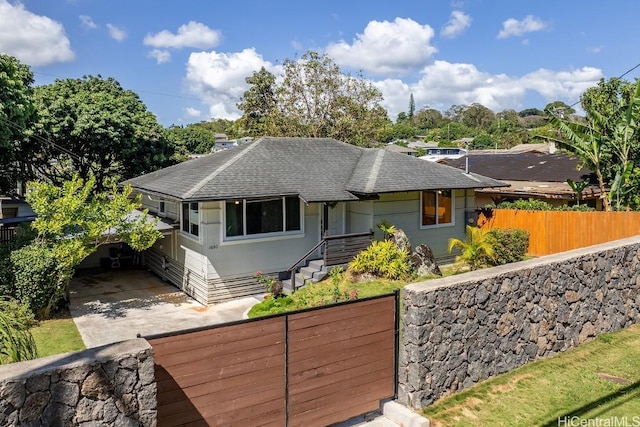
102,386
462,329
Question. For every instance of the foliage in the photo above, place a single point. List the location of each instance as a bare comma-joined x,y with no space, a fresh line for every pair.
578,187
509,245
313,99
525,205
538,205
383,259
336,289
386,227
17,116
475,250
39,280
607,141
273,286
16,342
99,129
72,222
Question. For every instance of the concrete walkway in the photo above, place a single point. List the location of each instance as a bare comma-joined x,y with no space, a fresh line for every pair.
120,304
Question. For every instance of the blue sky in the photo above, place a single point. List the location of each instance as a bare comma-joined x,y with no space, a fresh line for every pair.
188,60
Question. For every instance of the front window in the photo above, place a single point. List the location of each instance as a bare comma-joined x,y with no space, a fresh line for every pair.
262,216
437,207
190,218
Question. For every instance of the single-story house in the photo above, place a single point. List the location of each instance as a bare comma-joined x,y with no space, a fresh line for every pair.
534,174
263,205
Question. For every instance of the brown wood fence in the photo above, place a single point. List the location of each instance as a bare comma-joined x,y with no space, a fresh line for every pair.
312,367
558,231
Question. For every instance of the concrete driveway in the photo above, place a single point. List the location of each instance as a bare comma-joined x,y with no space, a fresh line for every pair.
120,304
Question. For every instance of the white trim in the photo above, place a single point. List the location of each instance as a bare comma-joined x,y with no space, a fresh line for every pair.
446,224
188,234
264,237
162,208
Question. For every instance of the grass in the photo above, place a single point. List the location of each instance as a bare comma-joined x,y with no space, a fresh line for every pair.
322,293
57,335
599,379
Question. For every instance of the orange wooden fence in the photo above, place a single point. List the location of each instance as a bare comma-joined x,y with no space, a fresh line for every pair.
558,231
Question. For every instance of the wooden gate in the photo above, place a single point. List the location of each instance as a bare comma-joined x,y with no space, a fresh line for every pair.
308,368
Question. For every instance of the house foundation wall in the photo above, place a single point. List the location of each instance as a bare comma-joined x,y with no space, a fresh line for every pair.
462,329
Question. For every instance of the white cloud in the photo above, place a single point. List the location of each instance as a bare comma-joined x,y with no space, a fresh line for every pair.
116,33
386,48
161,55
444,84
193,34
513,27
87,22
458,22
193,112
595,49
34,39
218,78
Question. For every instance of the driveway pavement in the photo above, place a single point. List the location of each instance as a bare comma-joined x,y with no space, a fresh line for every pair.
120,304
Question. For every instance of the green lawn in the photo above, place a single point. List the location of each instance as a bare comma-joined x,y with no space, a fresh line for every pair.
57,335
599,379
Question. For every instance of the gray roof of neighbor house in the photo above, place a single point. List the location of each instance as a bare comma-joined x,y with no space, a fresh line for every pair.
316,169
527,166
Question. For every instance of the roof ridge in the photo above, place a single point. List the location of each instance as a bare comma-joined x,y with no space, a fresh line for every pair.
220,169
375,170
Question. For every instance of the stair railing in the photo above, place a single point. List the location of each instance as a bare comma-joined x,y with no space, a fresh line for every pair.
291,271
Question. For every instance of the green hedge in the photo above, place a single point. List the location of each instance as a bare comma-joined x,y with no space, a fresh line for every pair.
509,245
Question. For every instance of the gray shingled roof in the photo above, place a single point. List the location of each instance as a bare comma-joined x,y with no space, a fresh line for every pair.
528,166
316,169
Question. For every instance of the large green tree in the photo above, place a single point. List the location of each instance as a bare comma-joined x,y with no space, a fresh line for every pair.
17,115
72,221
313,99
99,129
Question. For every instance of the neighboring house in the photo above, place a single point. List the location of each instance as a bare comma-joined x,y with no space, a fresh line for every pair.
436,154
264,205
400,149
13,212
533,174
225,144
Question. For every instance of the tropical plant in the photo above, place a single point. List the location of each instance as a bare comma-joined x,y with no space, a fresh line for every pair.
383,259
578,188
474,250
16,342
605,143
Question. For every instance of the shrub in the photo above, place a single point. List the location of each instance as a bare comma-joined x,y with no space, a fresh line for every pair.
509,245
525,205
538,205
383,259
37,275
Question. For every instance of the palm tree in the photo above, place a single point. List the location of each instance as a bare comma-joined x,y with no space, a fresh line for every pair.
475,249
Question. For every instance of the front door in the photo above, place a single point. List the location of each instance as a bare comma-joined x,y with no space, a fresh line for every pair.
333,219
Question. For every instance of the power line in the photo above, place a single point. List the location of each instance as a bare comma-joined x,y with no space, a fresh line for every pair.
41,139
137,91
619,77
